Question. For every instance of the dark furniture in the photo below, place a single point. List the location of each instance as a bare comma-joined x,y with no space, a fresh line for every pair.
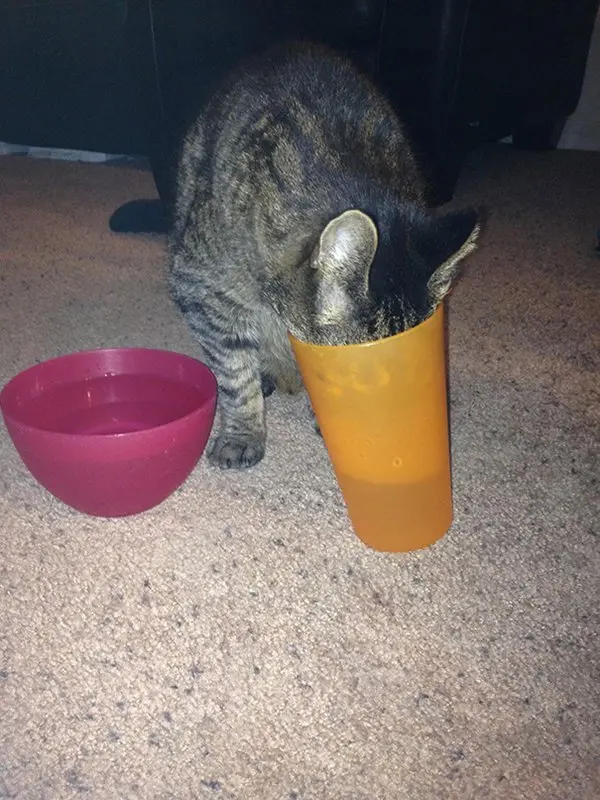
460,72
64,76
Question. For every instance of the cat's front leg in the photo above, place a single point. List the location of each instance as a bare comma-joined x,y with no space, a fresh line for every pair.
229,336
241,436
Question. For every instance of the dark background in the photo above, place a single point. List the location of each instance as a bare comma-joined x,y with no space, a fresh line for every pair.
126,77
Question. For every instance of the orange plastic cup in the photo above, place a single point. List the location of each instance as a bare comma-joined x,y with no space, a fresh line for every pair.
382,409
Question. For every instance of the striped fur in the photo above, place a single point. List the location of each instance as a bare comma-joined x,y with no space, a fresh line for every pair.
300,208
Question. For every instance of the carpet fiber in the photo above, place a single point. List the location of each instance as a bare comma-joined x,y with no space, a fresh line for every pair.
239,641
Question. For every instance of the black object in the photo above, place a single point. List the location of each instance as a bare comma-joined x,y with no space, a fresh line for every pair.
64,76
128,77
460,72
139,216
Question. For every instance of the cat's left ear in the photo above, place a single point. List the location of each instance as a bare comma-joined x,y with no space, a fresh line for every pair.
343,258
444,242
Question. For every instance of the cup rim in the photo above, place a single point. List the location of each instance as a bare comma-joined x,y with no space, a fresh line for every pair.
436,314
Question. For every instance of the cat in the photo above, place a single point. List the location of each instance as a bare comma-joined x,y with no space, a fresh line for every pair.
300,208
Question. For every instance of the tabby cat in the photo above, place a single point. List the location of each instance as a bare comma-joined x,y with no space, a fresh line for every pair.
300,207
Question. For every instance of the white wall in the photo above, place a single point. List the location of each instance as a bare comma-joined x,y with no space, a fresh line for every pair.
582,130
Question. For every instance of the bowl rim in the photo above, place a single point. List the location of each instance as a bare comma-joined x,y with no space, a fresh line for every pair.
10,417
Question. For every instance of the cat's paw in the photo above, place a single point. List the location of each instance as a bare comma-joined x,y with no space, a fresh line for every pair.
229,451
289,382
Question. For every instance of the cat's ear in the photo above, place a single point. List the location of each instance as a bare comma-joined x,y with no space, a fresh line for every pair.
343,258
443,242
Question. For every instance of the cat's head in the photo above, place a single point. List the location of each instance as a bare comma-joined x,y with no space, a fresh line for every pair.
369,285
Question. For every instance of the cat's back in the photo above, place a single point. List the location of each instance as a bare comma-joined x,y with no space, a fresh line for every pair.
306,71
311,100
301,72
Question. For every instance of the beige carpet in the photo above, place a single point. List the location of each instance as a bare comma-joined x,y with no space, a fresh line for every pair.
238,641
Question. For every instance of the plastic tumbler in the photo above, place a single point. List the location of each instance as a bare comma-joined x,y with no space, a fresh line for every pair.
382,410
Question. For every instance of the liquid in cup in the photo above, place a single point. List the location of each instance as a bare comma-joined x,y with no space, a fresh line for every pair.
382,410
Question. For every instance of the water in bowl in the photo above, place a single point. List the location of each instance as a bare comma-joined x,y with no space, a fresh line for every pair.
111,404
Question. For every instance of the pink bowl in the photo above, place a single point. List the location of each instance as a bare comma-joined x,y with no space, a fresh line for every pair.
111,432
